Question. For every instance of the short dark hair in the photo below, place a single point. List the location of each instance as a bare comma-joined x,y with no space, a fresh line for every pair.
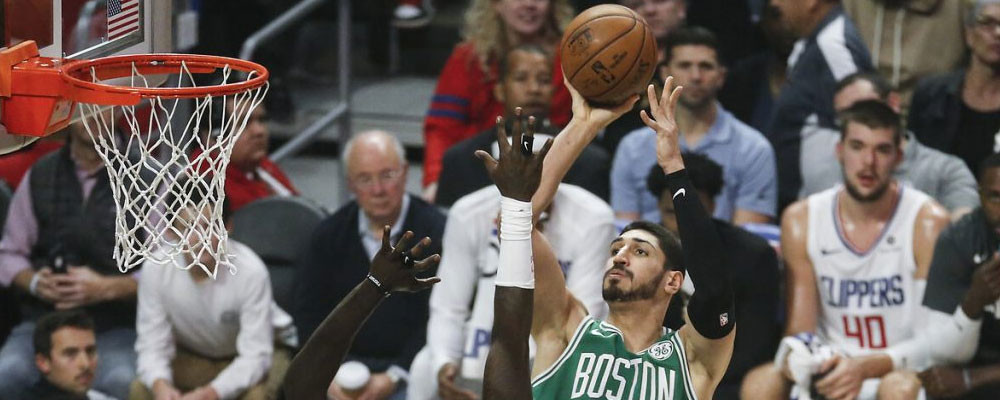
669,243
690,36
990,162
705,174
874,114
881,85
504,64
54,321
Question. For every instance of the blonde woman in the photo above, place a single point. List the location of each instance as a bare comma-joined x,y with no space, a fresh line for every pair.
463,102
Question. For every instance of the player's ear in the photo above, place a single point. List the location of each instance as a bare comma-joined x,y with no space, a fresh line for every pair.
672,282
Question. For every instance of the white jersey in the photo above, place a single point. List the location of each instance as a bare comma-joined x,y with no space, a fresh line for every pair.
868,300
580,228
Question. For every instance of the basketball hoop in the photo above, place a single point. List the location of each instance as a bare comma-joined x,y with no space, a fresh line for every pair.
167,176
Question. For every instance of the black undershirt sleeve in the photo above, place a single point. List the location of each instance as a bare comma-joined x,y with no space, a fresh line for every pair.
711,308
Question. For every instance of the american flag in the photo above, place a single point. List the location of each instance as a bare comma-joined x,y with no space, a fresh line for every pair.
123,18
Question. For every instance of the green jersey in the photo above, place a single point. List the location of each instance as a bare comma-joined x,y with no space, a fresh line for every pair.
596,365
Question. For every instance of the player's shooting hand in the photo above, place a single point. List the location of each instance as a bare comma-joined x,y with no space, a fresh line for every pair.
447,388
379,387
943,382
80,286
843,381
661,118
985,287
519,171
596,117
395,267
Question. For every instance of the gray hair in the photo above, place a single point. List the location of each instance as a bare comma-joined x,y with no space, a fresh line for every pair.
349,146
974,8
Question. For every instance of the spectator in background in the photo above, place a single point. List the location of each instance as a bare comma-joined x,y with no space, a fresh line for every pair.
526,83
915,38
745,94
749,195
959,112
57,251
856,260
341,251
663,17
464,102
578,225
66,356
251,175
942,176
963,280
204,335
829,49
755,284
13,166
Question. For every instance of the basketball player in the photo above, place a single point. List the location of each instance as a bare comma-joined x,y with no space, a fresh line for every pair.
392,270
857,257
631,355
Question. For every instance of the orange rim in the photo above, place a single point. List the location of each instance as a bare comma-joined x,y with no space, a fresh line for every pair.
79,76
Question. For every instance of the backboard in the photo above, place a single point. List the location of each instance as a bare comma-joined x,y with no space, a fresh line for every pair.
88,28
85,29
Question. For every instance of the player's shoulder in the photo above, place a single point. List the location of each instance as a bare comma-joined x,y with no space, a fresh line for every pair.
798,210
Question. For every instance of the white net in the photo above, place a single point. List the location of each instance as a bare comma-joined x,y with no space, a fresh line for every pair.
168,177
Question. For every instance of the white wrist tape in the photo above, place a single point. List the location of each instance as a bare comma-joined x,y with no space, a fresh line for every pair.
33,286
516,267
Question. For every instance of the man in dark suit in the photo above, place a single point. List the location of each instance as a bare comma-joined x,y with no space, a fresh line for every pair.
339,256
526,82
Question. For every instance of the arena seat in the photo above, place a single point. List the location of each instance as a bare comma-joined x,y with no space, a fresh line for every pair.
277,229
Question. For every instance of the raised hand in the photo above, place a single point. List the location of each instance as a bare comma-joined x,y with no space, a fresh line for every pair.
395,268
519,171
597,117
661,119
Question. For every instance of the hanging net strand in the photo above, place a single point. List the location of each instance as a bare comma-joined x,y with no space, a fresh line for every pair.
167,175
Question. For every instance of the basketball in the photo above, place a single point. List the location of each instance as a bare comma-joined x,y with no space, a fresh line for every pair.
608,54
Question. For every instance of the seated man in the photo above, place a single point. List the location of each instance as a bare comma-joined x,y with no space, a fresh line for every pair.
942,176
962,286
856,259
66,356
526,82
202,336
340,253
57,252
251,175
691,56
578,224
755,277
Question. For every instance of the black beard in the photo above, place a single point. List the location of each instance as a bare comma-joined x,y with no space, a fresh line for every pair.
645,291
856,194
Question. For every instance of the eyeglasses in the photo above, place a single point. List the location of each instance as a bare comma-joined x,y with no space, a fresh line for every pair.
368,181
987,24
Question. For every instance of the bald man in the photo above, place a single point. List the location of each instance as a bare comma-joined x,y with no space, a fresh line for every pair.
339,253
